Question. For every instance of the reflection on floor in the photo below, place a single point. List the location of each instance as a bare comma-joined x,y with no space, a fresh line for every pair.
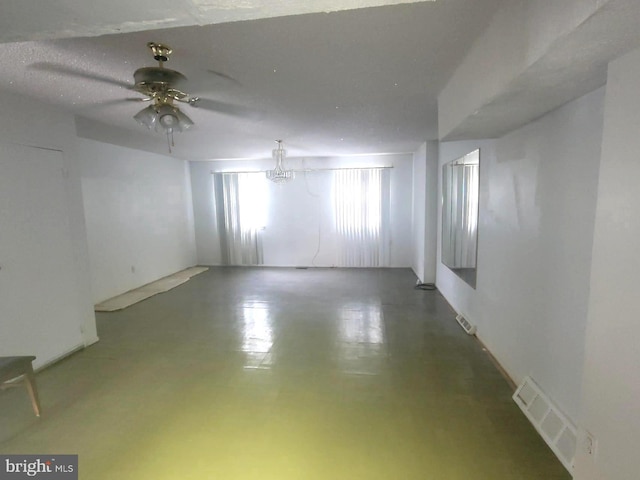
282,374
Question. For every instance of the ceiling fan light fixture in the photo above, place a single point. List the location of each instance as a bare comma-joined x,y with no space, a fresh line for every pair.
163,118
279,174
168,120
171,119
184,121
147,117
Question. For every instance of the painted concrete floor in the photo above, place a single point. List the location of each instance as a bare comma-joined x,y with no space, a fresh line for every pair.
282,374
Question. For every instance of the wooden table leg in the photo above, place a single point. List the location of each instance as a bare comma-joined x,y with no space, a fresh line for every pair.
30,382
17,370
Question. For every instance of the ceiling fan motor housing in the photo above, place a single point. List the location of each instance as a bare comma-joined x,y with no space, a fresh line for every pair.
158,76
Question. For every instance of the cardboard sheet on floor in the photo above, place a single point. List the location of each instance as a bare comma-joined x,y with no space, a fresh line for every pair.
149,290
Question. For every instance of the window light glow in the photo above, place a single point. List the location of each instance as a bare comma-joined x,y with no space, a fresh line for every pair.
253,198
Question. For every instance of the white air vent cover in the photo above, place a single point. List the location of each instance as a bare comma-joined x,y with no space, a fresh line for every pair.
466,326
551,424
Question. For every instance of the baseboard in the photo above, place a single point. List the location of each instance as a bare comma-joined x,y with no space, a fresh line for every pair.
60,357
90,341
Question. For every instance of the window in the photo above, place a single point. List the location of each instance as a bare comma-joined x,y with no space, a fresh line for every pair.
243,214
361,201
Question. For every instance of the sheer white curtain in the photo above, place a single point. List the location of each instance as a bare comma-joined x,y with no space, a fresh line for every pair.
470,214
460,225
361,198
241,200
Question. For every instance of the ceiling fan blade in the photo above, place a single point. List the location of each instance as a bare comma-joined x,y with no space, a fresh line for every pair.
71,71
222,107
224,76
121,101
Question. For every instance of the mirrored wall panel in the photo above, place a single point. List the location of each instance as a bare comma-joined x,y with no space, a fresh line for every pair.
460,197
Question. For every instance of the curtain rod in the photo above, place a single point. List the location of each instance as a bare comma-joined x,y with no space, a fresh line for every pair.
305,170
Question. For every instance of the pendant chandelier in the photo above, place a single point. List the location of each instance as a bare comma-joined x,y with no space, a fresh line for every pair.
279,174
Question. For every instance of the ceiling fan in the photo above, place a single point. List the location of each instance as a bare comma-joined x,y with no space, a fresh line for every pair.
160,86
163,88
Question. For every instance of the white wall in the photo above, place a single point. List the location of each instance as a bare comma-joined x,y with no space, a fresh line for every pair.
611,384
432,207
299,225
300,213
537,207
425,211
139,216
400,209
204,215
45,305
419,205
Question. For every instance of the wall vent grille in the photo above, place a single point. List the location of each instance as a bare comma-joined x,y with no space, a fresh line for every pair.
466,326
554,427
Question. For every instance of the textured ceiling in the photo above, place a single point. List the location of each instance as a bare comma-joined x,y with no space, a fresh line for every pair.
350,82
563,54
23,20
329,77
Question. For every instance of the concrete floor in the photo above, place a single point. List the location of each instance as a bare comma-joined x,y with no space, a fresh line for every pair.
282,374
